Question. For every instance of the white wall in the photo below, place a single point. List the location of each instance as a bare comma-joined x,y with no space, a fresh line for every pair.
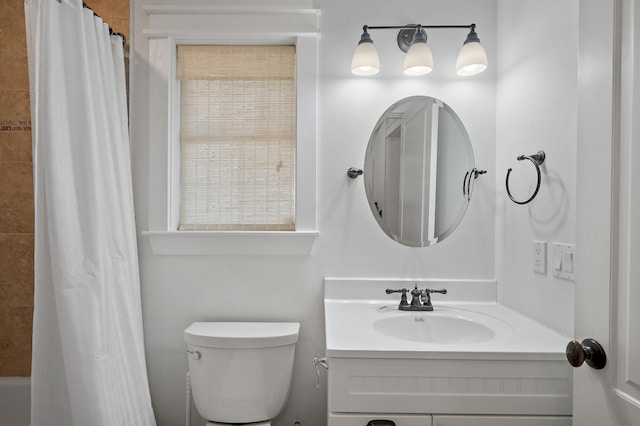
178,290
350,243
536,110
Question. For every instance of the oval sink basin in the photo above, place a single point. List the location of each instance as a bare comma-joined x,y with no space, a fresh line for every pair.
434,327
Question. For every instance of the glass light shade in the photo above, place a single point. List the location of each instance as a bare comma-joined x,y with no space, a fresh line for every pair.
472,59
419,60
365,60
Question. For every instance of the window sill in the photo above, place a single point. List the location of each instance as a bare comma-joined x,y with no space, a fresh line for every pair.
199,243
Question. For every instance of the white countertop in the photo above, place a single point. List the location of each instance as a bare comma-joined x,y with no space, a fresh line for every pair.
349,320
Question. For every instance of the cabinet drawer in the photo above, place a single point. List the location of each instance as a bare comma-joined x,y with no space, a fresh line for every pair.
501,421
364,419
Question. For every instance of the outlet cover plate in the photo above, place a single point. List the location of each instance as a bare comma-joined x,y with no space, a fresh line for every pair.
539,252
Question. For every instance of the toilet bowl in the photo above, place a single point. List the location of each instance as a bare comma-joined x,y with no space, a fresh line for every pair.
240,372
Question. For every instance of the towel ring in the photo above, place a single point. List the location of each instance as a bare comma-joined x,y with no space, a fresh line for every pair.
537,159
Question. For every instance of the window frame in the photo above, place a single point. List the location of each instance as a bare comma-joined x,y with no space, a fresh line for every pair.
170,26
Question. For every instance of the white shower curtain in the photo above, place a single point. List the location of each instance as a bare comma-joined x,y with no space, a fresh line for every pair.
88,366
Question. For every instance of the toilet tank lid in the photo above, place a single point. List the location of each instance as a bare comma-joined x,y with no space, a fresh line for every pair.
239,335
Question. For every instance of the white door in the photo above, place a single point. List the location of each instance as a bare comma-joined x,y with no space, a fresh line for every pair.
608,206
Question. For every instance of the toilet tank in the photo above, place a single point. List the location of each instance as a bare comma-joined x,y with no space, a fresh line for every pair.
243,371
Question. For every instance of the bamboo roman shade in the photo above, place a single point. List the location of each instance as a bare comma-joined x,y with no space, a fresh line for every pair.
238,140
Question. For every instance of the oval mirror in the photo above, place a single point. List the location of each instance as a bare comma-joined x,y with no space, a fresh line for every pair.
418,171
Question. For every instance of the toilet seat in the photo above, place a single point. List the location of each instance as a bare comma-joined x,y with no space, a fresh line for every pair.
267,423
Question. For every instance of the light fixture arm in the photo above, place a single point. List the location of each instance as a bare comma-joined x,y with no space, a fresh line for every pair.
365,38
413,26
408,32
472,37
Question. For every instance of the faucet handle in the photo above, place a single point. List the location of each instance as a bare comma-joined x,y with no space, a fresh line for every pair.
425,295
403,299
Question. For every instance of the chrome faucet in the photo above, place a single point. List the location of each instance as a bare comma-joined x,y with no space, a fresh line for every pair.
420,299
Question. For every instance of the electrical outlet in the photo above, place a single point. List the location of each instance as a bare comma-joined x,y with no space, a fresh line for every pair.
540,257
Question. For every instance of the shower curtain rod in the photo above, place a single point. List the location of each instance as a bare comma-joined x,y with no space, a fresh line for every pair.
111,32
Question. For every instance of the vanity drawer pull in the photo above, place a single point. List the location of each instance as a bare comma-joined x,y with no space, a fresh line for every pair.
381,423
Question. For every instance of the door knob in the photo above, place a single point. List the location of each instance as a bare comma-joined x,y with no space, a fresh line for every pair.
589,350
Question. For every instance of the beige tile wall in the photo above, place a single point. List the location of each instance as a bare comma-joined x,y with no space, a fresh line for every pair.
16,182
16,195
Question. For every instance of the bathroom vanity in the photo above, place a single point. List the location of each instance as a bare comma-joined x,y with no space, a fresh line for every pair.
469,362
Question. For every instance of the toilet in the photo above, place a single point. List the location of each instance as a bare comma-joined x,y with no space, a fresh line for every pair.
240,371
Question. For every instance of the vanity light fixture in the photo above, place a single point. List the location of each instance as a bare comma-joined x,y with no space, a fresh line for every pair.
412,39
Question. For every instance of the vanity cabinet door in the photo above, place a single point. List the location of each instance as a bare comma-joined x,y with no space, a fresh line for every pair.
364,419
501,421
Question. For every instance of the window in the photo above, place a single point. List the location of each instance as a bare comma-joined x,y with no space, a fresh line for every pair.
156,118
238,120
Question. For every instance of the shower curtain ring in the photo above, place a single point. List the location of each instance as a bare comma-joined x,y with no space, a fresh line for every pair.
537,159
